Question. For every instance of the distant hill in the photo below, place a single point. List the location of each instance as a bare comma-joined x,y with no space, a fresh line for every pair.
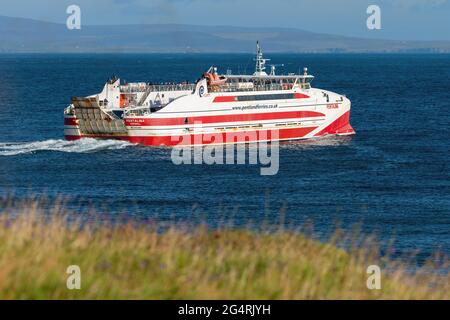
27,35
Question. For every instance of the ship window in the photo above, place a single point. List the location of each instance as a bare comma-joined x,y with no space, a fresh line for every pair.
281,96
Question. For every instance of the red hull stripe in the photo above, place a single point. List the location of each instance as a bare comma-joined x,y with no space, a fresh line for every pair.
224,99
340,126
300,96
224,137
70,122
136,122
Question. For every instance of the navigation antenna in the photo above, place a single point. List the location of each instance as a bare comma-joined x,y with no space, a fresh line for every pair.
260,62
273,68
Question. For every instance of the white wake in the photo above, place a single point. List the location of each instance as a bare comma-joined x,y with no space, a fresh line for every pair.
79,146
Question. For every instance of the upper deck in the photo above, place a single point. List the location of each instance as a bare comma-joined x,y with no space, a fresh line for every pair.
262,83
163,87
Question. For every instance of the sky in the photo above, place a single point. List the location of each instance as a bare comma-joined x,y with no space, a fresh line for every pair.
400,19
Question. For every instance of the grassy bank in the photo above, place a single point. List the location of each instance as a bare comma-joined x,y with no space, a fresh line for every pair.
137,262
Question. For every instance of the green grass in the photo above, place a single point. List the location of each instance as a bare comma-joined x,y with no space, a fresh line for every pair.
132,262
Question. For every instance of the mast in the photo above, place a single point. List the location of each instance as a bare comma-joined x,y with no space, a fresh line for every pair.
260,62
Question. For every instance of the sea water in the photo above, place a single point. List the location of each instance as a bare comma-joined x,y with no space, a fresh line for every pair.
392,178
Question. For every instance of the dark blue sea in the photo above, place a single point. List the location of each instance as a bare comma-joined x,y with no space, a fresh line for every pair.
392,178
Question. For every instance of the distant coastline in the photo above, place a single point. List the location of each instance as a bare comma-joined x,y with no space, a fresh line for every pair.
21,35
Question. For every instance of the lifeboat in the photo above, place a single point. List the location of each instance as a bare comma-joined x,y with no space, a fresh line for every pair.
214,79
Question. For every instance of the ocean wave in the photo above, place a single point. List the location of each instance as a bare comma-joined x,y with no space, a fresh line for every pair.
86,145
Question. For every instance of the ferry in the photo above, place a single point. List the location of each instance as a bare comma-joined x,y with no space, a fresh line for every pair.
217,109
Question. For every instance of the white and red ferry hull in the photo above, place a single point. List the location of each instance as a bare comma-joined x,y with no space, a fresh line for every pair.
285,122
303,123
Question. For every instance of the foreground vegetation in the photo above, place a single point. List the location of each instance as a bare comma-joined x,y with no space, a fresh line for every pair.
135,262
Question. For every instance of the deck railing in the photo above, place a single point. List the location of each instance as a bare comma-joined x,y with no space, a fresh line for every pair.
228,87
235,87
137,112
158,87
